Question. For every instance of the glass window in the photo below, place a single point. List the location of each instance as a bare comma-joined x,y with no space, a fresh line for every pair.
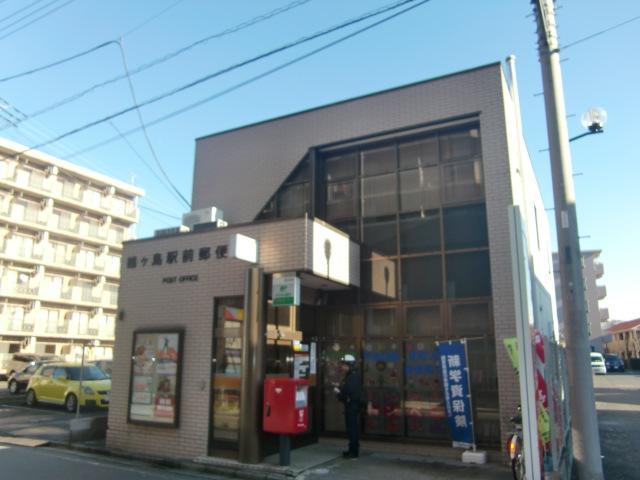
301,173
379,160
418,154
420,232
293,201
340,200
468,275
424,321
382,377
379,279
340,323
350,227
419,189
379,196
341,167
380,322
468,320
424,402
463,182
422,278
460,145
465,227
380,235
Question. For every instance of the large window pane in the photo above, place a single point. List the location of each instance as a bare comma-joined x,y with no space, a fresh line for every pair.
424,321
419,189
379,196
463,182
381,322
340,200
422,278
301,173
468,275
379,160
424,404
379,235
468,320
460,145
465,227
382,377
293,201
379,279
341,167
418,154
420,232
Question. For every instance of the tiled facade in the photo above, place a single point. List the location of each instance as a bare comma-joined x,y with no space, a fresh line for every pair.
239,172
61,234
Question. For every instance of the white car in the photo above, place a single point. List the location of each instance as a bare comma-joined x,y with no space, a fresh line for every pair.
597,364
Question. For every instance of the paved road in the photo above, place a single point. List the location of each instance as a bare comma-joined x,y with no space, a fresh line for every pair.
55,464
618,404
44,422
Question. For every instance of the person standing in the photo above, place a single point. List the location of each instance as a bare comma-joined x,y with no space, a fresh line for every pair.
350,393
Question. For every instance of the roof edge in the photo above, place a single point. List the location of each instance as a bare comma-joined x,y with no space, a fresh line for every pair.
351,99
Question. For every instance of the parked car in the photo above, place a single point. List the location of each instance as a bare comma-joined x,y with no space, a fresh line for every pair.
104,365
613,363
18,381
597,364
59,384
19,361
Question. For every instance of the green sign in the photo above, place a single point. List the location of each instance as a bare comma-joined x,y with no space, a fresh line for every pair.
285,289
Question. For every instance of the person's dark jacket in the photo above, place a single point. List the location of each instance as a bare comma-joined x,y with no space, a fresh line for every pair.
351,390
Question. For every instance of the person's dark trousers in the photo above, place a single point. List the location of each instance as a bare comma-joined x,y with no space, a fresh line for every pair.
352,421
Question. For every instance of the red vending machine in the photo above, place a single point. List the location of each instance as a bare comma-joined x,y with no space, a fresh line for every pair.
286,406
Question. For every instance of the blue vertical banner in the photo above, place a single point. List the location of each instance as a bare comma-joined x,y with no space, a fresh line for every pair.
457,394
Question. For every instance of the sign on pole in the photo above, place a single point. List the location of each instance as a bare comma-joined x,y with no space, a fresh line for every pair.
457,392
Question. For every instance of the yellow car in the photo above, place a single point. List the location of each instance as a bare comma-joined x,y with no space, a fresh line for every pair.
59,384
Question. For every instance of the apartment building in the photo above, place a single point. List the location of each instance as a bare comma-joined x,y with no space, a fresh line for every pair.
592,271
61,233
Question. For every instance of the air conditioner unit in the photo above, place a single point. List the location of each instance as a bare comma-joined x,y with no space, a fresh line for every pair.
167,232
202,215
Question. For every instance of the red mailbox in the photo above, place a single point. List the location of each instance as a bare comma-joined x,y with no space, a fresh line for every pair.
286,406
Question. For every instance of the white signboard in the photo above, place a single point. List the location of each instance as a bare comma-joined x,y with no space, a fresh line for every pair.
330,253
285,289
243,248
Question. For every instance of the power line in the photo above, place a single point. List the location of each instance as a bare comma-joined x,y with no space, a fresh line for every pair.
58,62
248,81
20,10
144,129
160,212
22,27
236,28
143,160
151,19
227,69
589,37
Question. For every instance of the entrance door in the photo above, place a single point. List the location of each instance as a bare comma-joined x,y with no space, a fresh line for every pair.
224,429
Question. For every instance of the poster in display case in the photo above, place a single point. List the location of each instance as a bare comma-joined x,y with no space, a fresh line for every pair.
154,391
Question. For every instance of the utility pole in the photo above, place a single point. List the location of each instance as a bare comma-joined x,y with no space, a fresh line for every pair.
586,439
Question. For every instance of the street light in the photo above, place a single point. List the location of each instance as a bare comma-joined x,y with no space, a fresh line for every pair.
593,120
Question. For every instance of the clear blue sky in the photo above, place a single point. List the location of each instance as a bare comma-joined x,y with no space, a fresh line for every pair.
440,37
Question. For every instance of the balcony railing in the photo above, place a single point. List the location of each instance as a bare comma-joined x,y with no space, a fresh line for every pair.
601,292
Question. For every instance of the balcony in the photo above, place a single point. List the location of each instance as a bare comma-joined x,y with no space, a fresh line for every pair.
604,314
601,292
16,325
598,269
